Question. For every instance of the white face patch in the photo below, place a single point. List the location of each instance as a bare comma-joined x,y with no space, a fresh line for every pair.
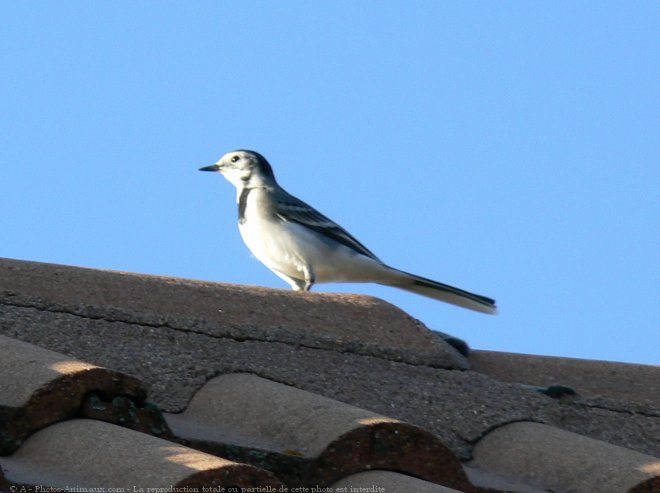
234,176
235,167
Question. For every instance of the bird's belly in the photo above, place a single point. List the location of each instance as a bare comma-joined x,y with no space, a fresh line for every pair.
290,248
276,247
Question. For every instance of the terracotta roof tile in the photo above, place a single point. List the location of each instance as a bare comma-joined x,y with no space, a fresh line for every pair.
497,482
327,402
559,460
91,454
622,400
388,482
245,416
39,387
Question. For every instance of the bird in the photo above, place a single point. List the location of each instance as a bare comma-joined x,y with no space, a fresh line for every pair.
304,247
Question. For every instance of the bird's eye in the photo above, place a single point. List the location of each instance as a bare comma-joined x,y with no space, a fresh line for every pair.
235,158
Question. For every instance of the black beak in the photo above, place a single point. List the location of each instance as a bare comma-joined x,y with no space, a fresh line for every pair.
213,167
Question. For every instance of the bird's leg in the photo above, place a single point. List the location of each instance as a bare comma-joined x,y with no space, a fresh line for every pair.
299,284
309,278
296,284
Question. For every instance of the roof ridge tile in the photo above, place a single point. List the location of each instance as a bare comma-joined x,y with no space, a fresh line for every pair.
629,382
336,321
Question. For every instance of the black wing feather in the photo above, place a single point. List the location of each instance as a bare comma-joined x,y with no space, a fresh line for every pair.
290,208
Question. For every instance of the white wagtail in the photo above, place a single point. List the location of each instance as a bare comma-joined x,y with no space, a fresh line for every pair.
304,247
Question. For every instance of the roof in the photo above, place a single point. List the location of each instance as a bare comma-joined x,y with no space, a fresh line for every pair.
174,382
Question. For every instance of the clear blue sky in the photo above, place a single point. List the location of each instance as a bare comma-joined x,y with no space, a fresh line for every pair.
508,148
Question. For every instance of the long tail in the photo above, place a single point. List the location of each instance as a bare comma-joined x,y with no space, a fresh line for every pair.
443,292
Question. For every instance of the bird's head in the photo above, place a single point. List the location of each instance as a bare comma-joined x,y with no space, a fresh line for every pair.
243,168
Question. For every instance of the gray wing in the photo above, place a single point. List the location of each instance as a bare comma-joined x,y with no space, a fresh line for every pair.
292,209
